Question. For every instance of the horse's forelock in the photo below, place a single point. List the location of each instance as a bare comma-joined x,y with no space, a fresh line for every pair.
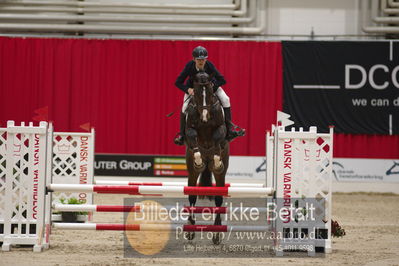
202,77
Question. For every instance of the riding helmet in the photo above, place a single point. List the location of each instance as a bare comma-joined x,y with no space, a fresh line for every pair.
200,52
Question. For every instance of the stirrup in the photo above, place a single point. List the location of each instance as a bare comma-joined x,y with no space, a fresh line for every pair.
179,139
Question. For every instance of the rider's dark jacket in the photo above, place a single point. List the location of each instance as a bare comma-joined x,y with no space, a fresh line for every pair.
190,71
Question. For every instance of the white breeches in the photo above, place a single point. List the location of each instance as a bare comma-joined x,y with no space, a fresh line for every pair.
223,98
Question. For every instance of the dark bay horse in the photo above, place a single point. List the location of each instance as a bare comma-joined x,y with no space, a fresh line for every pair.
207,151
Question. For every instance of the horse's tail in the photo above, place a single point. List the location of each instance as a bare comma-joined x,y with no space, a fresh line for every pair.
206,181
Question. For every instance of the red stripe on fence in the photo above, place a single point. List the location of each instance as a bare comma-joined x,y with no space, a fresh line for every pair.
160,184
104,208
144,184
199,209
204,228
132,190
118,227
206,191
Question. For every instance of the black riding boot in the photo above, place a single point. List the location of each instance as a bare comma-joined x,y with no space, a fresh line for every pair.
232,133
179,140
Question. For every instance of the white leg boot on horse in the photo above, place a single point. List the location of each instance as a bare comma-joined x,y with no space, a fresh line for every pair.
199,164
218,164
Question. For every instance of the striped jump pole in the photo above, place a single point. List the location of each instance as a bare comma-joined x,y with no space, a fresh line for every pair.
250,192
144,208
160,227
142,183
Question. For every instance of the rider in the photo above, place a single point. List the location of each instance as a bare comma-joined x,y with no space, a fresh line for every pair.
200,63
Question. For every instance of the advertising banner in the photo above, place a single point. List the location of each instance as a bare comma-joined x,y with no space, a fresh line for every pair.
351,85
139,165
240,167
247,168
366,170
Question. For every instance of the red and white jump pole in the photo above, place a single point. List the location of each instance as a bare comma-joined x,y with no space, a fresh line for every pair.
143,183
160,227
250,192
144,208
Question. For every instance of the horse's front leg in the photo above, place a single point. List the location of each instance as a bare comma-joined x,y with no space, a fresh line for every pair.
216,239
220,182
191,219
192,142
192,181
218,138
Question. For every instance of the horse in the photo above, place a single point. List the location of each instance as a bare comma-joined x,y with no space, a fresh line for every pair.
207,150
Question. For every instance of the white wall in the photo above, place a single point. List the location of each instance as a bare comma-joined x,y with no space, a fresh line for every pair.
285,19
326,17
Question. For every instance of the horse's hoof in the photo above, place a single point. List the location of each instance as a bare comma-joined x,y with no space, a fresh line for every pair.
216,239
219,170
189,235
199,168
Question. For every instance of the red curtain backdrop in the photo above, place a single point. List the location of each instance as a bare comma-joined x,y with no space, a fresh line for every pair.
125,88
